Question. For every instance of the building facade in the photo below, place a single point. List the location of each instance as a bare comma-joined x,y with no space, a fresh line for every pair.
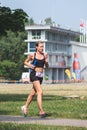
60,44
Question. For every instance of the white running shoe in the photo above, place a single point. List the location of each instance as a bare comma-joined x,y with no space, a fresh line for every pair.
24,111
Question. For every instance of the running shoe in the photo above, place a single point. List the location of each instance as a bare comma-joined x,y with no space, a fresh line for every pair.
43,115
24,111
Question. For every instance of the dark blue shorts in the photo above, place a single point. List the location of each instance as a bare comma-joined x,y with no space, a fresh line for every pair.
33,77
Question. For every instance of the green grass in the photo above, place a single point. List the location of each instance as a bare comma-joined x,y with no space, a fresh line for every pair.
13,96
13,126
55,106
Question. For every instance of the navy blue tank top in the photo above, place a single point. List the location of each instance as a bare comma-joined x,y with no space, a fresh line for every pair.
38,62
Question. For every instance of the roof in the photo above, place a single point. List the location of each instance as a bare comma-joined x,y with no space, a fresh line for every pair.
52,28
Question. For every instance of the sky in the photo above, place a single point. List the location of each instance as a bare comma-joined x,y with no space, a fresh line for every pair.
66,13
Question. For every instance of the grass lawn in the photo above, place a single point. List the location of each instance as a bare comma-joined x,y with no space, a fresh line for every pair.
55,103
55,106
13,126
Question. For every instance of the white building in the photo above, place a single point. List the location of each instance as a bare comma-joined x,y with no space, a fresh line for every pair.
60,44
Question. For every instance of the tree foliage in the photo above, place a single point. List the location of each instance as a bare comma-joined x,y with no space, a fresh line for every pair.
31,21
7,69
48,21
13,20
12,48
12,45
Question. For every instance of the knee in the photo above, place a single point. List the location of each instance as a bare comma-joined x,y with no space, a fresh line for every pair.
40,92
32,95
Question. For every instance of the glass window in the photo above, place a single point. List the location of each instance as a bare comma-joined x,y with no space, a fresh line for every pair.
33,33
32,47
47,35
50,59
36,34
53,36
56,58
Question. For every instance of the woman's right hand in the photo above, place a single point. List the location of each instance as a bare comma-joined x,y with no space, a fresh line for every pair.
32,66
27,61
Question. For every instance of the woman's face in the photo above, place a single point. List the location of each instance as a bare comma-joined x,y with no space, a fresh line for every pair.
40,47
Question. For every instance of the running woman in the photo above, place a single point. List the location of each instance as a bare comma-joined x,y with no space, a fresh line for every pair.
39,59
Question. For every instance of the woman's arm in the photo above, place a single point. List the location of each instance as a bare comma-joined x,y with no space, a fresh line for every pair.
46,60
27,63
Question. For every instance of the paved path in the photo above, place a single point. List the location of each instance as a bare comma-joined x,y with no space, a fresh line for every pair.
45,121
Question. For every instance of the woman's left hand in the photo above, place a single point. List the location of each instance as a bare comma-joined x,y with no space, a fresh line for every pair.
46,61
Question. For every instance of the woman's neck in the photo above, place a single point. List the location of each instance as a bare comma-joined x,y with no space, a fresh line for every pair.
38,52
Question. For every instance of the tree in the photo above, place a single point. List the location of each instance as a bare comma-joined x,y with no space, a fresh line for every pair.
19,18
31,21
12,50
7,69
5,19
48,21
77,39
13,20
12,45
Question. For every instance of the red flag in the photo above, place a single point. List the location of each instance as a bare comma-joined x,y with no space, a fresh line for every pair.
82,24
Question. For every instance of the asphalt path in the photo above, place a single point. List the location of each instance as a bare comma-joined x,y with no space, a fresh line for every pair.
44,121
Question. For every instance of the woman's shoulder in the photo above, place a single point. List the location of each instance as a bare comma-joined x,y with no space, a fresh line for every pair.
31,55
45,54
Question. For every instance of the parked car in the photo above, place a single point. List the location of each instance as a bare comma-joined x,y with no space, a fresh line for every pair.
25,77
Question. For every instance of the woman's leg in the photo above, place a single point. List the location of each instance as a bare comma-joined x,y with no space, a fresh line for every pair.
38,89
30,97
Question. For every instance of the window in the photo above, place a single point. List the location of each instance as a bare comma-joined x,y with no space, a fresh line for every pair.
36,34
50,59
47,35
53,36
56,58
32,47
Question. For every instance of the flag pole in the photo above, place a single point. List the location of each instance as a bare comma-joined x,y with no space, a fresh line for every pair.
86,31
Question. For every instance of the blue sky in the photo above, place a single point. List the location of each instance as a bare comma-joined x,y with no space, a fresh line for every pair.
67,13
